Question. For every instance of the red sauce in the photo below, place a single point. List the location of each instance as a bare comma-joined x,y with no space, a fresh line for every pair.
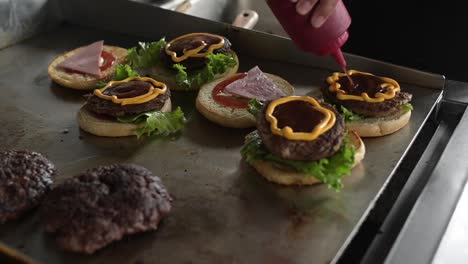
108,58
229,101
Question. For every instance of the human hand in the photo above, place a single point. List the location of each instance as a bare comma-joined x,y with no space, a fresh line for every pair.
322,9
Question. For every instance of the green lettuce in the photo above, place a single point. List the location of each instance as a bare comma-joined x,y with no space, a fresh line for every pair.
157,123
121,72
217,64
407,107
328,170
349,115
255,106
146,54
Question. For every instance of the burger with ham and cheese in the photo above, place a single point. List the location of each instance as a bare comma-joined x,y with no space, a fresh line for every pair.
83,68
300,141
226,101
186,62
134,106
372,106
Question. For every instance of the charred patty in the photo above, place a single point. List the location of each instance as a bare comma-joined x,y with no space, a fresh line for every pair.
25,177
324,146
193,63
126,90
89,211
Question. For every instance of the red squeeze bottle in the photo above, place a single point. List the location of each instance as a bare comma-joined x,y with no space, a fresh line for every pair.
325,40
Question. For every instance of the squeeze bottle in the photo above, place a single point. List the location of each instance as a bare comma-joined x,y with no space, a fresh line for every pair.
325,40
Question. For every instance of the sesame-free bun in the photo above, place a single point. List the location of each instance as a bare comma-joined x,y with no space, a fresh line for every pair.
286,176
228,116
379,126
82,81
110,128
161,73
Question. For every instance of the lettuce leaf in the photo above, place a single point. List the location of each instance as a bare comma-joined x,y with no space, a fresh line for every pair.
349,115
407,107
146,54
217,64
157,123
121,72
328,170
255,106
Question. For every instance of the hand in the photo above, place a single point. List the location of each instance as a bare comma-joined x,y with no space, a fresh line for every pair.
322,9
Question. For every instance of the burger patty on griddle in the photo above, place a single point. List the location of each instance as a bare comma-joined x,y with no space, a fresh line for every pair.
103,204
100,106
194,63
324,146
25,177
385,108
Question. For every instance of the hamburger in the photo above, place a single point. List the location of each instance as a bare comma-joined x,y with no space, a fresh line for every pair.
133,106
225,101
301,141
373,106
186,62
83,68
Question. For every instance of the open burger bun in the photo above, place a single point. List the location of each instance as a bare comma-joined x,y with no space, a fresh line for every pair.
83,81
286,176
379,126
109,128
167,76
228,116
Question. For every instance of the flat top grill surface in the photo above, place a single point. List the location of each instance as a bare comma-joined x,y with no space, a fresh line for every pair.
223,212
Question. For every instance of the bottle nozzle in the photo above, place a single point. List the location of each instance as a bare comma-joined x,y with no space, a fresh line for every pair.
338,56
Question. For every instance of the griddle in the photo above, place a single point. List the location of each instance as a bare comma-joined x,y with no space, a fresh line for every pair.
223,211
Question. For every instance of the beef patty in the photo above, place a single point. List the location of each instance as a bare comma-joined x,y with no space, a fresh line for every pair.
192,64
130,89
324,146
89,211
385,108
25,177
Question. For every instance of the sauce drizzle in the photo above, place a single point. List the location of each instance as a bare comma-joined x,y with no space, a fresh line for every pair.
229,101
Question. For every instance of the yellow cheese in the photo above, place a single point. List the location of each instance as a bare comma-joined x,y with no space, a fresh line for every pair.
287,132
194,53
392,87
157,89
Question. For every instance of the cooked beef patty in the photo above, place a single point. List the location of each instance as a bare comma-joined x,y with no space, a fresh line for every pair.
24,179
194,63
101,205
131,89
324,146
385,108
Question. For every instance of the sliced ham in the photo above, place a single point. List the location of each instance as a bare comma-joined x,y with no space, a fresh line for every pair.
85,60
255,85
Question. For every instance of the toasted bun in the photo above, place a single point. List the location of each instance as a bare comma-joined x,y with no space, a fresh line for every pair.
108,128
376,127
167,76
288,177
228,116
80,81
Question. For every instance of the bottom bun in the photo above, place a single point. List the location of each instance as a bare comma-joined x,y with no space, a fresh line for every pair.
228,116
379,126
109,128
286,176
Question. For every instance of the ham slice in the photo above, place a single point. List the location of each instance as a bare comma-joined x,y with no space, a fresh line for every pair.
85,60
255,85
